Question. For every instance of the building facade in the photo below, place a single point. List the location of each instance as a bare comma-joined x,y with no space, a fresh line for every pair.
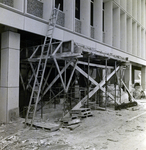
116,27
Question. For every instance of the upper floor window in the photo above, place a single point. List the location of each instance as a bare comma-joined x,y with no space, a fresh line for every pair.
91,12
103,17
57,2
77,9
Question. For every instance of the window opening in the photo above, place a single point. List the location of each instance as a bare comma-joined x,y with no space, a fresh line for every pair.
103,17
77,9
92,12
57,2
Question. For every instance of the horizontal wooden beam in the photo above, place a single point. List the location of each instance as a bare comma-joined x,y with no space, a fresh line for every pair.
95,65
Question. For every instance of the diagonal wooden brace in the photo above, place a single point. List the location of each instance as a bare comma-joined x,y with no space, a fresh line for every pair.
99,86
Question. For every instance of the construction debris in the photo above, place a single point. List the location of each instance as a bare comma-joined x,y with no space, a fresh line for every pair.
45,125
81,112
125,105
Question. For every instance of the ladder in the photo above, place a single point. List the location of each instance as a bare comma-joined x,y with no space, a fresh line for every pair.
37,85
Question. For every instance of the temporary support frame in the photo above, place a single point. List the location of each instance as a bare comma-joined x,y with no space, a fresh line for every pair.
74,60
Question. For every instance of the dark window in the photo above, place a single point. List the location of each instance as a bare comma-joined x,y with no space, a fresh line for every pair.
103,17
92,12
57,2
77,9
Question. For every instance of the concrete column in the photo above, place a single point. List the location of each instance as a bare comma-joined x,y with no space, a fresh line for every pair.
143,53
116,27
98,5
85,17
19,5
117,1
128,76
108,22
143,78
139,10
129,35
129,6
145,15
9,88
69,10
134,8
123,31
143,12
123,3
47,9
134,38
139,41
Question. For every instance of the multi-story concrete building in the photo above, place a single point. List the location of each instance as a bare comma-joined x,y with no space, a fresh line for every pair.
116,27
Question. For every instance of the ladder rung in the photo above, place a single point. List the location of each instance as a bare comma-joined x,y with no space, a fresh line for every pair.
50,29
52,18
52,24
49,34
34,97
36,90
40,70
31,112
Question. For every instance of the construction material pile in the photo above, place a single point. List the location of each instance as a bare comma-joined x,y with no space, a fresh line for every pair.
121,96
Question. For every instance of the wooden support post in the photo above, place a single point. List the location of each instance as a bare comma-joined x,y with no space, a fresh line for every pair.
88,82
106,100
115,84
57,66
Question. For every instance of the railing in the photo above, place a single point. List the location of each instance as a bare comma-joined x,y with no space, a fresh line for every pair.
77,25
35,8
61,18
92,32
7,2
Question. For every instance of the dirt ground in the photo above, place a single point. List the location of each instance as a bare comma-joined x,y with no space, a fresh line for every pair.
106,130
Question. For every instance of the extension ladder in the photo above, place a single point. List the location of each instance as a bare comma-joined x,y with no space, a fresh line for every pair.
37,85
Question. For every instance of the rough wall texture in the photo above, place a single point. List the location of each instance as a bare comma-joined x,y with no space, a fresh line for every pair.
78,26
61,19
7,2
35,7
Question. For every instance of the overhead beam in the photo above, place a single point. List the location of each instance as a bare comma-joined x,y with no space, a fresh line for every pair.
95,65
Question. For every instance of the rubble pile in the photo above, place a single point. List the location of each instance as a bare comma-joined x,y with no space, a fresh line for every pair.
117,93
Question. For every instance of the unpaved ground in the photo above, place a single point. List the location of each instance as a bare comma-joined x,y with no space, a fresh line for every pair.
106,130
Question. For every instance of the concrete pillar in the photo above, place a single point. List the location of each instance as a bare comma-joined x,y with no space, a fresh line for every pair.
19,5
134,8
9,88
139,10
85,17
143,53
123,3
129,35
117,1
143,77
129,6
108,22
139,41
69,10
47,9
134,38
123,32
98,5
128,76
145,15
143,12
116,27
